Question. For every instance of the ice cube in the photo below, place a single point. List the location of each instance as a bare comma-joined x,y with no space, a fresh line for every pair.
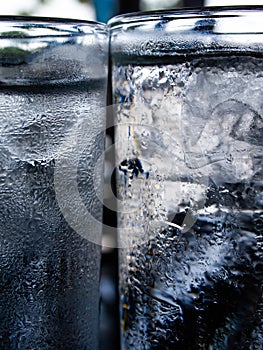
248,127
229,142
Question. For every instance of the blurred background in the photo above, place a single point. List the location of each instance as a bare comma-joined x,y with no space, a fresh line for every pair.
103,10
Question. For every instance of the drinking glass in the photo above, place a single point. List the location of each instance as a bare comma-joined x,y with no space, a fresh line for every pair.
53,76
187,88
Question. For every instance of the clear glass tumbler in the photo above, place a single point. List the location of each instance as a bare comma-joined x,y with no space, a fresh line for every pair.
53,75
187,89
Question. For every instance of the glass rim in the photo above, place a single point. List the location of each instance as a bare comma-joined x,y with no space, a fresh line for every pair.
66,27
182,13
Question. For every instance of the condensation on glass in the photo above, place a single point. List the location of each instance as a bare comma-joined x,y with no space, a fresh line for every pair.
53,76
188,92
